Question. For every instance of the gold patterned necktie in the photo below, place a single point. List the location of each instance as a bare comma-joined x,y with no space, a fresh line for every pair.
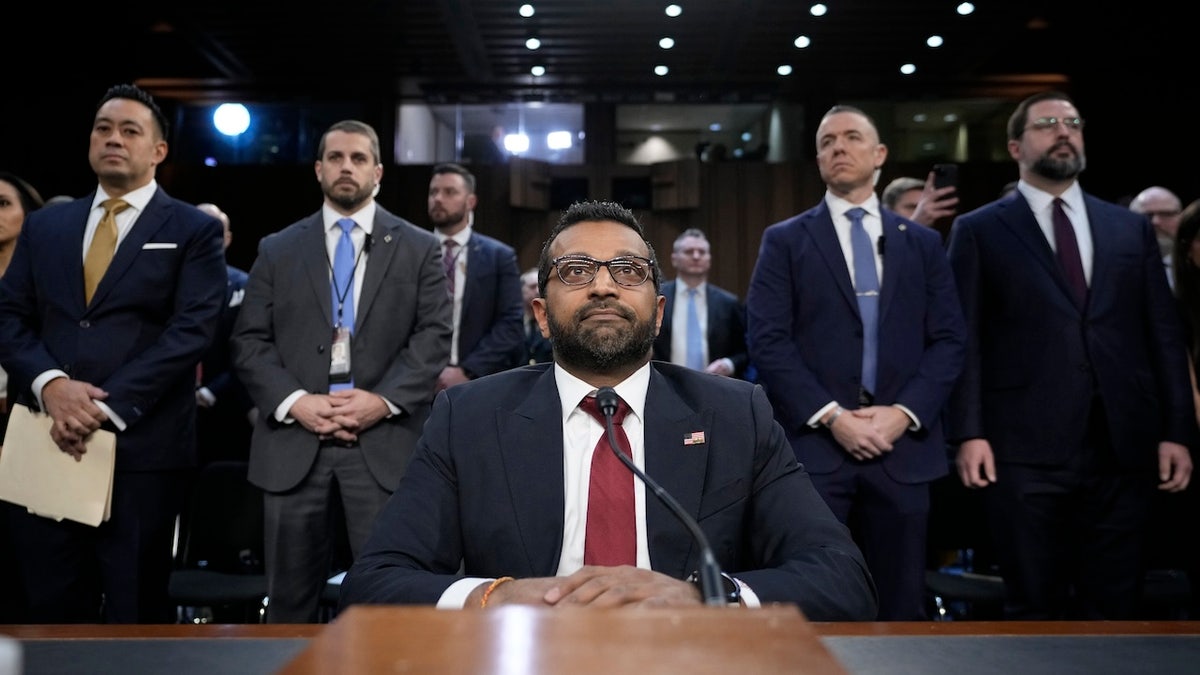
104,243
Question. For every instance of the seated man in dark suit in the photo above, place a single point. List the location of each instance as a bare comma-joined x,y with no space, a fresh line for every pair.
716,315
483,516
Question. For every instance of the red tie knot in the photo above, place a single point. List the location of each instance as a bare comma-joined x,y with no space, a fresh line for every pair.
591,407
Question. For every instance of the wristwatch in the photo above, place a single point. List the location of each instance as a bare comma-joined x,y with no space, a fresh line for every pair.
731,590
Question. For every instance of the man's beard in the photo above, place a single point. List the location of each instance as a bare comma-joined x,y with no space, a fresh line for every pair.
601,349
446,217
1057,169
351,201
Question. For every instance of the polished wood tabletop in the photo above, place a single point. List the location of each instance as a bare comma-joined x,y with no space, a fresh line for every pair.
820,628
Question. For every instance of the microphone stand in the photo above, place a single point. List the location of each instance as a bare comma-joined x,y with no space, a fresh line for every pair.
710,570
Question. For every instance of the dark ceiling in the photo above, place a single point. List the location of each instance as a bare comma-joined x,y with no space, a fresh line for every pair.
473,50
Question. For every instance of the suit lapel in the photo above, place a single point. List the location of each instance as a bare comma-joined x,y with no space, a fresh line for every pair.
531,441
148,223
824,236
1019,219
896,256
677,467
385,241
314,258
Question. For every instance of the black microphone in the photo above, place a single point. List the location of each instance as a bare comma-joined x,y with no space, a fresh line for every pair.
880,244
710,571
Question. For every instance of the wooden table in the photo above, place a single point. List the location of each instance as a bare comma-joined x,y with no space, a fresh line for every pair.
531,641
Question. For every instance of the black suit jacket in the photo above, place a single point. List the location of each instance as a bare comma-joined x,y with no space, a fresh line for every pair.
1034,360
485,492
491,337
726,327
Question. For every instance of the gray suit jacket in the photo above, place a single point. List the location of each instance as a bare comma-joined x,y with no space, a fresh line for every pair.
401,342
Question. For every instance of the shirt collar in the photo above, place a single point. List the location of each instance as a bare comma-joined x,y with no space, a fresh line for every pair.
364,217
632,390
1040,200
138,199
461,237
838,206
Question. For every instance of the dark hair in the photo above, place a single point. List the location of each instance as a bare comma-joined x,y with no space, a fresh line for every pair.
1187,274
30,199
135,93
451,167
352,127
1020,116
590,212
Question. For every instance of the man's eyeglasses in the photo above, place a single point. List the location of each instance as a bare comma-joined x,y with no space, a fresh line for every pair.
1048,123
581,270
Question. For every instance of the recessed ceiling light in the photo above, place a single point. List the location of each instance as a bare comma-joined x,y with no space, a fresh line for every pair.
908,68
715,126
802,42
666,43
538,71
784,70
661,70
920,118
533,43
965,8
818,10
526,11
674,10
934,41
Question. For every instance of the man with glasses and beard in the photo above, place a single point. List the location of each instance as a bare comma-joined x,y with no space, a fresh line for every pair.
500,503
1074,405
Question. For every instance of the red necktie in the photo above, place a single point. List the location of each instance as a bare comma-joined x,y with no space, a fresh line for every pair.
1068,254
611,536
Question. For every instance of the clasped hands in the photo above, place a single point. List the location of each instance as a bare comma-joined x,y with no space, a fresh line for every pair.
871,431
593,586
340,415
72,406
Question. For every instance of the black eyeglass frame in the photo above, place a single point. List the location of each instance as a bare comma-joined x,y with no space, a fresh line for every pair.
635,262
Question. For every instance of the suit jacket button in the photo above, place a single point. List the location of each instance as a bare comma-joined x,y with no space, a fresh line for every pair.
320,349
85,324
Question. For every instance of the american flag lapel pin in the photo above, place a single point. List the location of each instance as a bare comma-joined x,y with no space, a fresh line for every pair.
694,438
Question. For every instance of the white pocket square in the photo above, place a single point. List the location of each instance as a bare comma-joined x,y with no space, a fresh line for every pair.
236,298
154,246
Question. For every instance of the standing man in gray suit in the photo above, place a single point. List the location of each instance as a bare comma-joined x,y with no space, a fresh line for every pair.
344,329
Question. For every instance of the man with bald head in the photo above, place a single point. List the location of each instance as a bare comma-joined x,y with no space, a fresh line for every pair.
1162,207
224,411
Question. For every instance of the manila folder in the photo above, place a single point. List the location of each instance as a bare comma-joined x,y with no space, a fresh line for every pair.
35,474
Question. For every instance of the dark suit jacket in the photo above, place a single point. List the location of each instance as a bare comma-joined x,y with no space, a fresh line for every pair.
224,428
806,336
486,490
218,374
491,336
152,316
538,348
1034,360
726,327
401,342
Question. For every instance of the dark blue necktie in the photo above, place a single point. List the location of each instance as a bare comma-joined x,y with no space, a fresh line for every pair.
866,288
695,335
342,284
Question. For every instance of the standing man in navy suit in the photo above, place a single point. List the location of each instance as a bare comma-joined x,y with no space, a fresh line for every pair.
340,359
720,316
113,346
225,412
483,281
1075,403
498,506
861,407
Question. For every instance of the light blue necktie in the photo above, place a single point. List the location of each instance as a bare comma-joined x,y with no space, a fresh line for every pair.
695,335
866,288
342,284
